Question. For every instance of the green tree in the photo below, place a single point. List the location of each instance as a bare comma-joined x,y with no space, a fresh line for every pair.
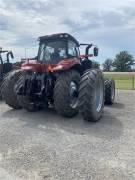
95,65
107,65
123,62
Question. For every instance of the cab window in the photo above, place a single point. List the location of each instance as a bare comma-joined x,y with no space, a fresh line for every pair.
72,49
52,52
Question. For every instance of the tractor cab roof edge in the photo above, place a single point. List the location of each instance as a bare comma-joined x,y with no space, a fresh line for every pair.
58,36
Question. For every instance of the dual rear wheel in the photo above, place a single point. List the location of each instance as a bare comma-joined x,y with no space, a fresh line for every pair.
85,94
109,91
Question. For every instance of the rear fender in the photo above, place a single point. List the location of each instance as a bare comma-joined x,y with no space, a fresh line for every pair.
66,64
32,65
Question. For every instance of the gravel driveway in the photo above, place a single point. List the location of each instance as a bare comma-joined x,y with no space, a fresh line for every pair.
43,145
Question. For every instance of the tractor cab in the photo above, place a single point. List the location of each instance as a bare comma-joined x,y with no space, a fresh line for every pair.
58,52
57,47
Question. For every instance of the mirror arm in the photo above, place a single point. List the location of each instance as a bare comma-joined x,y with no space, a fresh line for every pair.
11,55
87,49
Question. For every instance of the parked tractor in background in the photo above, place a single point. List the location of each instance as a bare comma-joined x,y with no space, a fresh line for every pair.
60,77
5,65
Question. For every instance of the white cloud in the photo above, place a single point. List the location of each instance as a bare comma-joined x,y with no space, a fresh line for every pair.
100,21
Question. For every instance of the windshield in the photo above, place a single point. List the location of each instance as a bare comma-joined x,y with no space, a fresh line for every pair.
52,52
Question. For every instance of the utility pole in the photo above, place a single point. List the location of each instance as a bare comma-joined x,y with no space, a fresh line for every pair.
25,52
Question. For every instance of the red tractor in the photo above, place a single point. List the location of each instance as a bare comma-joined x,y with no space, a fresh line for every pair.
60,77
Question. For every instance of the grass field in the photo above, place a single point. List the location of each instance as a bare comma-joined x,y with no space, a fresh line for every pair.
123,81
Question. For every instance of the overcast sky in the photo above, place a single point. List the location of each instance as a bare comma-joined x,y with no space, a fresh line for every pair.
108,23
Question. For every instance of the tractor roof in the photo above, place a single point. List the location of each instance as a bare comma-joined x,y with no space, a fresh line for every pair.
58,36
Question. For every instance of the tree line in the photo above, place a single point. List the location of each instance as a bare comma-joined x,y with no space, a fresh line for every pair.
123,62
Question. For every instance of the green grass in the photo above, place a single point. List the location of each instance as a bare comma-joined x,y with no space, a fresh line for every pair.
123,81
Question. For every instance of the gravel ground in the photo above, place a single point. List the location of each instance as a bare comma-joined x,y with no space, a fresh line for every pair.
43,145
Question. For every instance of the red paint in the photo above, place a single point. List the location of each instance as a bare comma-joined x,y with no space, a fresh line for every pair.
32,65
37,66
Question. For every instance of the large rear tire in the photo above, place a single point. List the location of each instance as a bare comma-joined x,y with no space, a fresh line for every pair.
91,95
2,85
24,100
109,91
8,91
66,93
1,90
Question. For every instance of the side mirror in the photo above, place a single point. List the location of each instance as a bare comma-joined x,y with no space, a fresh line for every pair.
95,51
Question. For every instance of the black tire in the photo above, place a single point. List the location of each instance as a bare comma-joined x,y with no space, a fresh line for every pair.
91,85
109,91
25,101
1,91
8,91
3,84
62,97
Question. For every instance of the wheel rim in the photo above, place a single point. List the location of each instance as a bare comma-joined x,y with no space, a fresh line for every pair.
73,91
99,95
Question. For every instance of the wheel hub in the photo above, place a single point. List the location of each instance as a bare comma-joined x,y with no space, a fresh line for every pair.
99,95
73,90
